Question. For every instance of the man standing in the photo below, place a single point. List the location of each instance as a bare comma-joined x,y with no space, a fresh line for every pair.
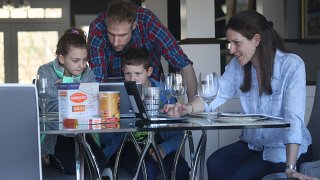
124,26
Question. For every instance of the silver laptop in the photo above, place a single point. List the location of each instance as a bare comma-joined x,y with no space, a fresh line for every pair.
140,110
19,132
126,109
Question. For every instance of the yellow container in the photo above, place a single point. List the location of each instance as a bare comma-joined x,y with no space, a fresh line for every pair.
109,106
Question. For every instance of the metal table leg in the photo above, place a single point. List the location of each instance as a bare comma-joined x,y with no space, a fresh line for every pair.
199,156
116,165
191,147
91,158
152,143
203,154
178,152
117,161
138,149
79,160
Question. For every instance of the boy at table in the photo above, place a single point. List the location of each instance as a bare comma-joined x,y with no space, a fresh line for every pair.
136,67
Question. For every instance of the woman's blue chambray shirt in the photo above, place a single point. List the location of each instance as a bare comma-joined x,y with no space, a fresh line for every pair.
287,101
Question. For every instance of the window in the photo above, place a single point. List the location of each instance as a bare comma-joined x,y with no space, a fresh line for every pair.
28,39
1,58
31,13
83,21
35,48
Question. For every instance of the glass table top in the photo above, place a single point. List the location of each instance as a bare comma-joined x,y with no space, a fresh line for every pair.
49,124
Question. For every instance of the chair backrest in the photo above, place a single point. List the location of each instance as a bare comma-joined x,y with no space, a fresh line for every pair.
314,122
19,132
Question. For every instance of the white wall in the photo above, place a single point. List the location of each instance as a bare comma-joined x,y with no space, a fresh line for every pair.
205,57
273,10
197,19
159,8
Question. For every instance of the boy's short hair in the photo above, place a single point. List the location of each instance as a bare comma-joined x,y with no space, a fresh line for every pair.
136,57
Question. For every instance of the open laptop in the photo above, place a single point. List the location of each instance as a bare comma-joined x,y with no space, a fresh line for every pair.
126,109
140,110
19,128
114,79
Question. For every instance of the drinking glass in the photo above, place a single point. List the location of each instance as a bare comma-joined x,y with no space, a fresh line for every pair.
45,90
176,84
165,87
208,87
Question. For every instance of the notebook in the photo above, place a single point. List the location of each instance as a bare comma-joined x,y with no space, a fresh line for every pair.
126,109
140,110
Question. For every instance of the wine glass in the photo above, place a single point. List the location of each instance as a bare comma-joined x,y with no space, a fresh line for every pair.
165,87
208,87
176,84
45,90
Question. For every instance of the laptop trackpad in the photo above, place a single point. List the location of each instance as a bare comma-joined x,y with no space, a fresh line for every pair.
168,119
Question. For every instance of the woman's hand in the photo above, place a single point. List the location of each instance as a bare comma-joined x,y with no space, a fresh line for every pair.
291,173
176,109
195,106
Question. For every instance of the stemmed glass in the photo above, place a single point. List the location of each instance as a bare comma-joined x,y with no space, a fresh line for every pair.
165,87
208,87
45,90
176,84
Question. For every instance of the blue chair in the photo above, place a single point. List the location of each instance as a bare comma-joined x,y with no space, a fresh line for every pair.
313,168
309,168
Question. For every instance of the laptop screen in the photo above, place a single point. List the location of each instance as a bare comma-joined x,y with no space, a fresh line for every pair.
125,105
140,110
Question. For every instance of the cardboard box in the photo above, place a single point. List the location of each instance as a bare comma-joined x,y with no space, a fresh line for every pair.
78,101
87,123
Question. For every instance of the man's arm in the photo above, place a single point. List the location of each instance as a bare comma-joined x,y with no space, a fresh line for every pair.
97,47
191,81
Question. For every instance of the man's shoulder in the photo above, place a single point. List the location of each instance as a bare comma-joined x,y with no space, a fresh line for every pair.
143,13
99,21
100,17
142,10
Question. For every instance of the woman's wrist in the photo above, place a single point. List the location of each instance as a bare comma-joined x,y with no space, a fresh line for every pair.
190,108
290,172
291,166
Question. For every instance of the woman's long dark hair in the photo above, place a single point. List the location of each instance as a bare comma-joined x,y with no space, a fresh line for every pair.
248,23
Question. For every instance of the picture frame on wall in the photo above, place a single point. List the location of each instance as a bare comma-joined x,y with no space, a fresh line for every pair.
236,6
310,19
